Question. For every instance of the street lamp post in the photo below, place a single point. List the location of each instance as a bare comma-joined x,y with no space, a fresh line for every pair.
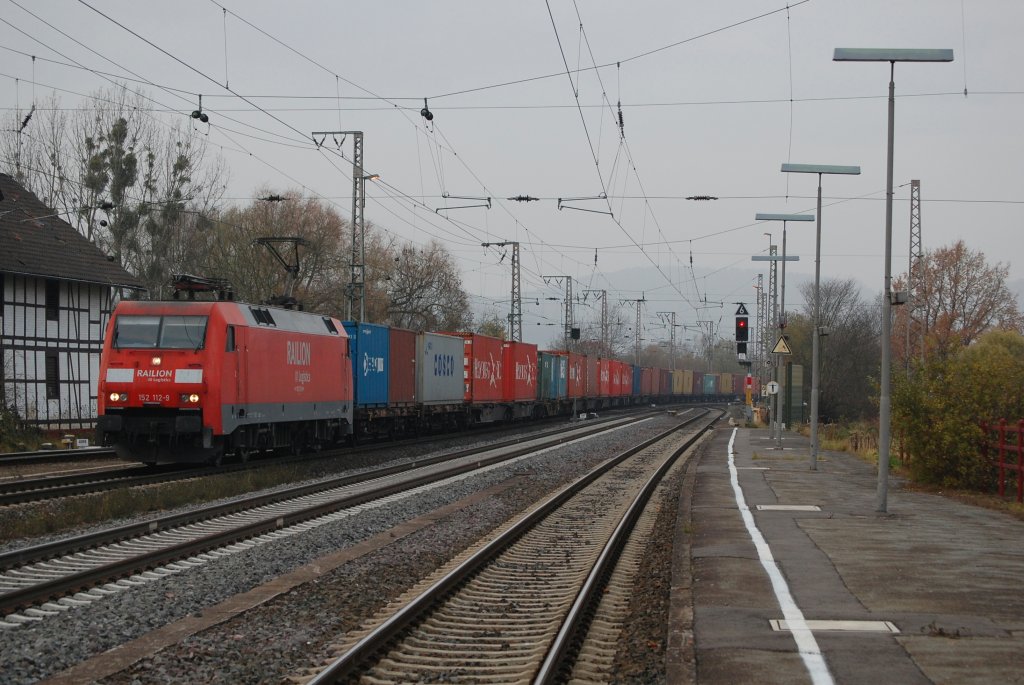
884,400
780,377
816,335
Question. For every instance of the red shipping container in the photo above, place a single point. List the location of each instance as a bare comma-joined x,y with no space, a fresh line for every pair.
402,367
481,367
519,371
615,384
627,380
645,381
604,377
664,382
576,374
593,384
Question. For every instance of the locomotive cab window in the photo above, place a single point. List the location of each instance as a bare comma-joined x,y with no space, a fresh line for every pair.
160,332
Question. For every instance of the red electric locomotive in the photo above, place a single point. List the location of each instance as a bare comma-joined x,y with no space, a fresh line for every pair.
192,381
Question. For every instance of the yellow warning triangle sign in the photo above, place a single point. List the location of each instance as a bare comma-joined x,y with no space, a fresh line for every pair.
781,347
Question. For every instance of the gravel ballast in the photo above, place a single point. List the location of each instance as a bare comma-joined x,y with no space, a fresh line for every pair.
292,632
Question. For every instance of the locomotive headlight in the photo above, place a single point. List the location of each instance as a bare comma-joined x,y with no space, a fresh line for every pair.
157,361
118,397
189,399
193,398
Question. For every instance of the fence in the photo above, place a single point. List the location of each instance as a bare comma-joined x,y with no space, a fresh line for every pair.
1006,441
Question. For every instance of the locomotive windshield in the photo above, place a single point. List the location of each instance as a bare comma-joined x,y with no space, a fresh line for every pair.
160,332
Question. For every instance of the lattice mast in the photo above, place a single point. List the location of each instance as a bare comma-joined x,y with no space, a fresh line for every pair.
515,316
669,318
760,353
603,296
916,305
357,283
636,330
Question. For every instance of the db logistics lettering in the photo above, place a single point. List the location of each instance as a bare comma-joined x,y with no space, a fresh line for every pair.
299,353
154,373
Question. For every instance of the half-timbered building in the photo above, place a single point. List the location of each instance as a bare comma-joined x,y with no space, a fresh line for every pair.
57,291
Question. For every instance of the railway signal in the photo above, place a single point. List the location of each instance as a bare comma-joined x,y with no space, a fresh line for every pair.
742,332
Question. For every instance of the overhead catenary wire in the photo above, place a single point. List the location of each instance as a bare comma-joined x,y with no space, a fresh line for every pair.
623,143
631,58
321,66
204,76
538,245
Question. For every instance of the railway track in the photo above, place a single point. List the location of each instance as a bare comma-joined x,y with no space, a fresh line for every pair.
519,608
56,456
50,487
39,581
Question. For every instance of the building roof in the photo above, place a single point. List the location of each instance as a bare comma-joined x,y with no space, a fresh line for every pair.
34,241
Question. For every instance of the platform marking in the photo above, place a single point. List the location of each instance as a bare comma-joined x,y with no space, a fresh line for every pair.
841,626
788,507
806,645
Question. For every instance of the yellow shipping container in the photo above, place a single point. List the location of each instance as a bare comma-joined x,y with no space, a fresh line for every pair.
725,383
687,382
677,382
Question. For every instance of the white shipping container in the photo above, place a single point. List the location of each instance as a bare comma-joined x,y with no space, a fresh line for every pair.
439,371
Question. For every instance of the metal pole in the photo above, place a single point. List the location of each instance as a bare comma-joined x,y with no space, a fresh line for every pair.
816,337
358,227
773,324
779,371
884,401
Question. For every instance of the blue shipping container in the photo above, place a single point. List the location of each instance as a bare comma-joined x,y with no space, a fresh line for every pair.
711,384
637,378
552,369
370,348
562,376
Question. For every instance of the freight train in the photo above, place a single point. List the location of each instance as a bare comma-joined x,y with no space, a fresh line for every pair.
195,381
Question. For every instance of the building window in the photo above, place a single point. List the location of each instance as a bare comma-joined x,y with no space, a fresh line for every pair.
52,299
52,376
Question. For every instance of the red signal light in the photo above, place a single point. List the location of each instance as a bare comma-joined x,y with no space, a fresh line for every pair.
742,333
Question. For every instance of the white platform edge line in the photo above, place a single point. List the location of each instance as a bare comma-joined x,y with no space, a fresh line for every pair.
841,625
807,646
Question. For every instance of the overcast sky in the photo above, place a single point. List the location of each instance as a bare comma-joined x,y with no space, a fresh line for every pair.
715,96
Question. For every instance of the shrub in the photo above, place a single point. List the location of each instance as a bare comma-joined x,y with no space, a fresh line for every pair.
15,434
940,407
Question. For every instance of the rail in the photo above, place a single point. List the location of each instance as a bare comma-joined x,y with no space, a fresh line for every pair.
374,643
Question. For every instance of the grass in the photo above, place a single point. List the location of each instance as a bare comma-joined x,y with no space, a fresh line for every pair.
69,514
976,499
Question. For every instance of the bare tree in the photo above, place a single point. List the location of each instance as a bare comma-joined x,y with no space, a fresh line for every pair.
493,325
850,354
34,150
126,179
229,251
963,297
426,291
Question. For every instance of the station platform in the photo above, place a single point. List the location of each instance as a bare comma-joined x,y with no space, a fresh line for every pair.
932,591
